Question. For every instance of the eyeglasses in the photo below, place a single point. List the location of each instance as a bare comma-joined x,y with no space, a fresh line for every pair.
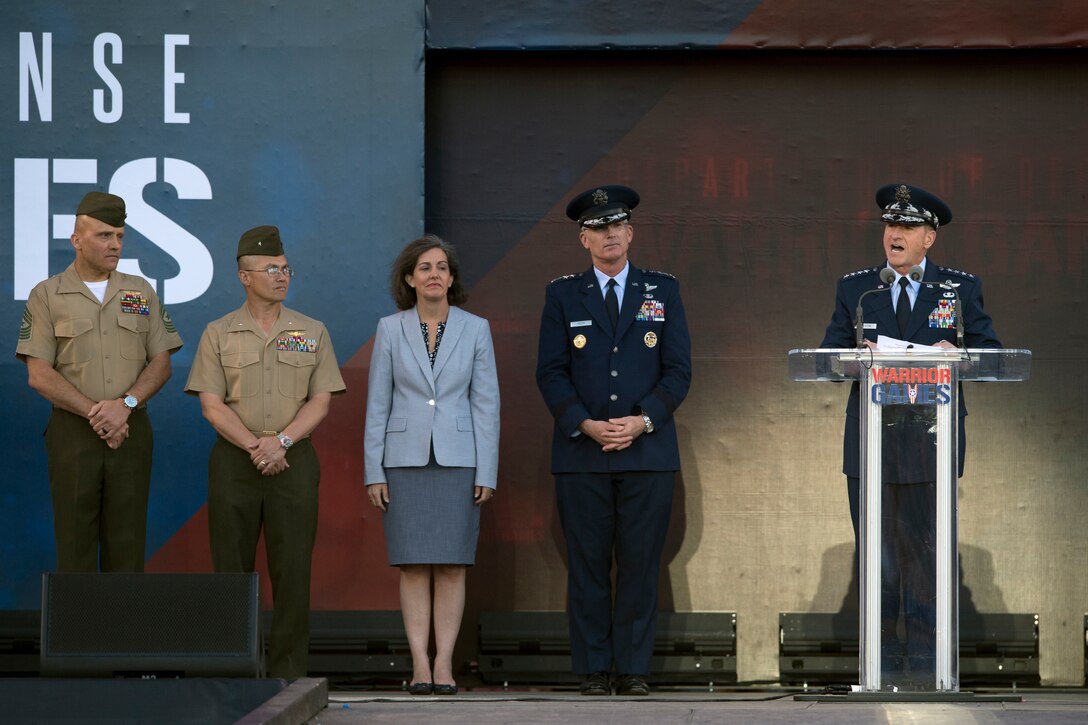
272,270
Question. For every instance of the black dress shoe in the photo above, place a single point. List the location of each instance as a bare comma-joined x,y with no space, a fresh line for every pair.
596,684
445,689
420,688
632,685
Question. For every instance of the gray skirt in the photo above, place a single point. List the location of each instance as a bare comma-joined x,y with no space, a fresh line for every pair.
431,517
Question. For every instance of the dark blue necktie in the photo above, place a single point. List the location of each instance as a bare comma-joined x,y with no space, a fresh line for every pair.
902,308
612,304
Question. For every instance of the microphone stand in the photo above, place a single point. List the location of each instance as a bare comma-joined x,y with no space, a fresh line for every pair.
886,277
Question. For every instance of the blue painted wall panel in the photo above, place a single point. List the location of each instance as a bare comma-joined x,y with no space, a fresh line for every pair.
214,117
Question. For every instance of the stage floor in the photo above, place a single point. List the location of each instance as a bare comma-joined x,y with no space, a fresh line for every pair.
772,705
276,702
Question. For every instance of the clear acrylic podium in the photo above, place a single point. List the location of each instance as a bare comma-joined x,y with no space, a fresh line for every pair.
909,433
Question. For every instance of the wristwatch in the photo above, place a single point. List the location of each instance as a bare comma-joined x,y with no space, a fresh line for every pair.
648,425
285,441
130,401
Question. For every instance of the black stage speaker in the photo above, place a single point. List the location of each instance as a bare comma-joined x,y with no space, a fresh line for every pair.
163,625
348,646
821,649
691,648
20,642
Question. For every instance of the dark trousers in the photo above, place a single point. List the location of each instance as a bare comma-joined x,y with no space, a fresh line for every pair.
908,568
240,502
99,494
605,516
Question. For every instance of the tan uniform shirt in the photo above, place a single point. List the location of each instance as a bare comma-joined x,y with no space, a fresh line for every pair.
99,348
265,379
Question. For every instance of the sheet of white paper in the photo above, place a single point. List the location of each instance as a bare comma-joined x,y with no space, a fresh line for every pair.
892,344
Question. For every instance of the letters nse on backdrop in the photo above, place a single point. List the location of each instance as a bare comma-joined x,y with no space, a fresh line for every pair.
208,120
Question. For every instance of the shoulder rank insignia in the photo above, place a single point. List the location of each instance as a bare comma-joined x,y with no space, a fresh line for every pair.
26,325
576,275
658,273
167,323
961,273
858,273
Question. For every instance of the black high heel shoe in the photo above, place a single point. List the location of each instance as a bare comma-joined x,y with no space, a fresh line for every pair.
421,688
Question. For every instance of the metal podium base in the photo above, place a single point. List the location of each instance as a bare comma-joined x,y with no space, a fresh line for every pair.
871,697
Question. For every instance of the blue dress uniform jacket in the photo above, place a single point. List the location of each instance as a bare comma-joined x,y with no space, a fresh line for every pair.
925,327
584,370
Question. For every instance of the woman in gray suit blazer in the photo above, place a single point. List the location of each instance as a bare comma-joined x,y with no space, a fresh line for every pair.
431,447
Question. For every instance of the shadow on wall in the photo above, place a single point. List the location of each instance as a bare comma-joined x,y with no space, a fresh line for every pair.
674,593
685,532
838,587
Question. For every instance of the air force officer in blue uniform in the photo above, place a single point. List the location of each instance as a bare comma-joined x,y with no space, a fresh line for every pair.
918,311
911,219
613,365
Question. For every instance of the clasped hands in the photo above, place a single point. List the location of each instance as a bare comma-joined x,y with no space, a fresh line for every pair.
614,434
268,455
109,419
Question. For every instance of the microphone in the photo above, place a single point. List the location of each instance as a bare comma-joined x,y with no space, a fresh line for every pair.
887,275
